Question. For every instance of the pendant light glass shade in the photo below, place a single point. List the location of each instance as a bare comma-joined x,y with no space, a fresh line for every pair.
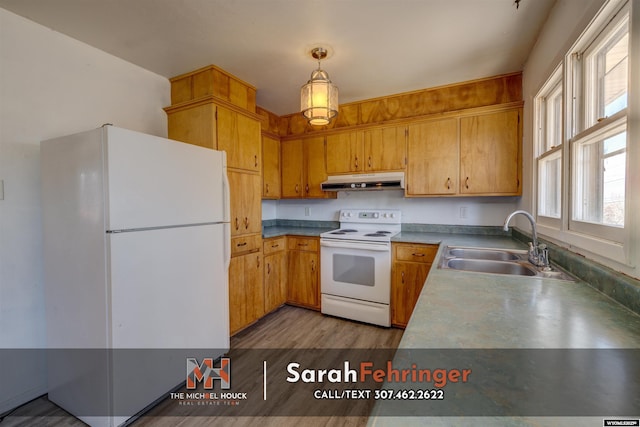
319,97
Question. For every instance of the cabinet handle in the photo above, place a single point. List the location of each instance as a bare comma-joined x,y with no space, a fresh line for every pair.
313,266
267,188
307,188
303,244
466,183
268,268
369,161
246,223
275,246
402,274
241,244
255,160
237,224
297,188
356,162
448,184
418,255
258,260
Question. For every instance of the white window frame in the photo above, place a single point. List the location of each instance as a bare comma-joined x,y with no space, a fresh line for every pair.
620,249
541,138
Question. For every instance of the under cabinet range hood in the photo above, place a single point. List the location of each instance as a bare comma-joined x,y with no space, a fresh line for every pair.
364,182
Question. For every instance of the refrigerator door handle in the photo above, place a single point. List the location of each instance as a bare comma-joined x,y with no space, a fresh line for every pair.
227,246
226,191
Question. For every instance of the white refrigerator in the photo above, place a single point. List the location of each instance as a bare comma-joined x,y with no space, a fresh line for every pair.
136,257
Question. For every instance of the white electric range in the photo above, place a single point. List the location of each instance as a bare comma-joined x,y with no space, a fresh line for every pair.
355,274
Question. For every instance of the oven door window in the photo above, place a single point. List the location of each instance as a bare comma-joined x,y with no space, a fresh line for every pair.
354,269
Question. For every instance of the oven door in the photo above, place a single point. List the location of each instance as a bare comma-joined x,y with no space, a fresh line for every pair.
355,269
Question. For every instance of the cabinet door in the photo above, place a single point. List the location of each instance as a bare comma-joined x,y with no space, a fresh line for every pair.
433,158
385,149
316,171
239,136
303,279
194,125
490,153
345,152
245,203
408,279
246,293
292,168
270,167
237,304
275,280
254,286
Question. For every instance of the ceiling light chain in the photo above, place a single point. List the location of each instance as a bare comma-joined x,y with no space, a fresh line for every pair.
319,96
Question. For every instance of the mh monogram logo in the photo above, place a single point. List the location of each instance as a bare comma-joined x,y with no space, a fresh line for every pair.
206,372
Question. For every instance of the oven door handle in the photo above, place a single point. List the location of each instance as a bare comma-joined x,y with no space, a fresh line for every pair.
378,247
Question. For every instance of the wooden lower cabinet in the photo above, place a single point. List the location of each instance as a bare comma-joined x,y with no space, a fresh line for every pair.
246,292
303,286
411,265
275,273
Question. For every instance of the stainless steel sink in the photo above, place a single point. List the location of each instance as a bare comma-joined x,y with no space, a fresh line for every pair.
496,261
490,254
489,266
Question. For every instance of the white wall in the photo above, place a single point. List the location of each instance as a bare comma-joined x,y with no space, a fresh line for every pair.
50,85
477,210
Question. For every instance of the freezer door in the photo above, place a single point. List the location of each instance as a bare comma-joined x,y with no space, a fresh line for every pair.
156,182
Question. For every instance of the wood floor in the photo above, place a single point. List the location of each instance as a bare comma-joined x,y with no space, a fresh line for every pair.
289,333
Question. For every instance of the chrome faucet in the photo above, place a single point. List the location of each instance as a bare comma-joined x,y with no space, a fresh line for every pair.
538,253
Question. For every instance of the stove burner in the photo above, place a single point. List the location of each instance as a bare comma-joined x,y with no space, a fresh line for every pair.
337,232
376,234
383,232
348,230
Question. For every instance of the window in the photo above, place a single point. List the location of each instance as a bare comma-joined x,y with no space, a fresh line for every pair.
586,144
548,104
598,148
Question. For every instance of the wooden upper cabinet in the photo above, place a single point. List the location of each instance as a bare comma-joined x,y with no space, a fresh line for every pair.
372,150
433,158
303,168
239,136
316,169
194,125
385,149
292,168
490,153
344,152
270,167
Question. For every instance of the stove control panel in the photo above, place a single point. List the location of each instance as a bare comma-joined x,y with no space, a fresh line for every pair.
378,216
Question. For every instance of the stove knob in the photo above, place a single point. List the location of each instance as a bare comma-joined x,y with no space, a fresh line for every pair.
376,215
385,215
363,185
353,186
393,215
349,214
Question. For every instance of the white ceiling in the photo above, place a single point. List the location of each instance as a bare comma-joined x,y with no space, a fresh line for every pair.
377,47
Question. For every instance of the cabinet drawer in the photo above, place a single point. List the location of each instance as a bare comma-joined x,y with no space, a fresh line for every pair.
244,244
415,253
302,243
274,245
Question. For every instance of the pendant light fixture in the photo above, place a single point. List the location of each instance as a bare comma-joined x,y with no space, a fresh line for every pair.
319,97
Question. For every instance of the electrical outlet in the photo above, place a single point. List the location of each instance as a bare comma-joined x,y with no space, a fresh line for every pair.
307,211
1,189
463,212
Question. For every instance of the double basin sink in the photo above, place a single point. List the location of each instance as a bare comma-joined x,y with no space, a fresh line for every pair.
496,261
